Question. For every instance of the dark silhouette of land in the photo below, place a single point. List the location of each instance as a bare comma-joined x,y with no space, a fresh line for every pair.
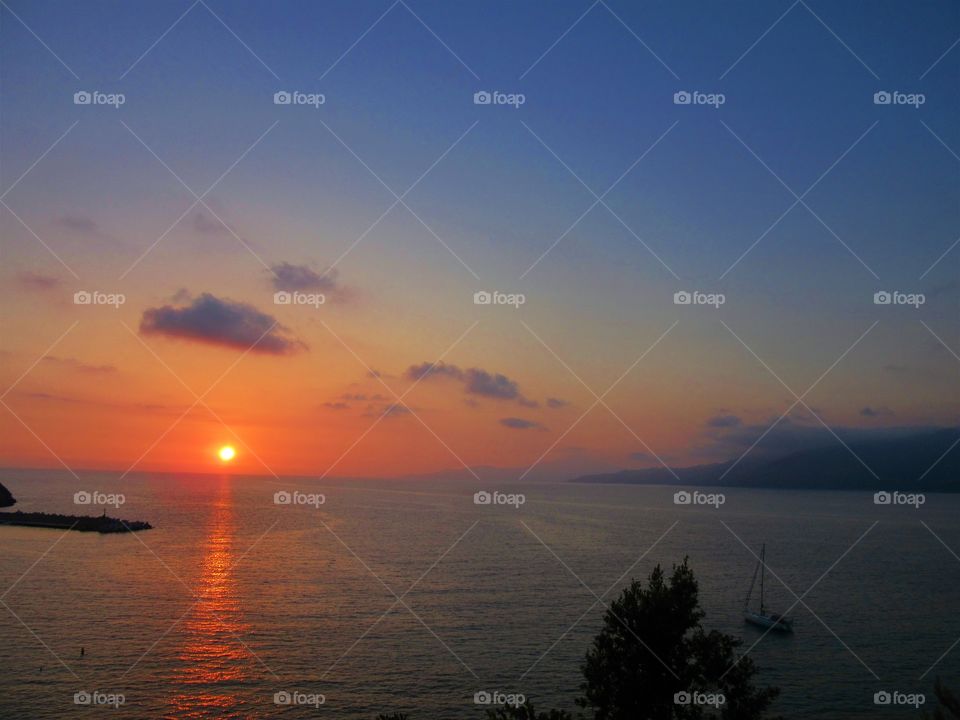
922,462
81,523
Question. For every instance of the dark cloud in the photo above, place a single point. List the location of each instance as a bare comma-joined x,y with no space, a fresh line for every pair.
791,434
480,382
520,424
336,405
79,365
870,412
423,370
36,281
556,403
723,421
303,278
476,381
228,323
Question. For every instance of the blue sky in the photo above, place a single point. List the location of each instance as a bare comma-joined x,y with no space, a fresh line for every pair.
599,80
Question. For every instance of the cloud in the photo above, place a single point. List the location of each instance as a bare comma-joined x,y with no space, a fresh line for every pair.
80,224
480,382
476,381
227,323
78,365
870,412
423,370
724,421
556,403
302,278
520,424
336,405
36,281
793,433
208,226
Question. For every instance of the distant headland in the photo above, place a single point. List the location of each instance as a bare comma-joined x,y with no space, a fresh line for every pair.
917,462
81,523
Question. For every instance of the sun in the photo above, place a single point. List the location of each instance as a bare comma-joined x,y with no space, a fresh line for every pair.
227,453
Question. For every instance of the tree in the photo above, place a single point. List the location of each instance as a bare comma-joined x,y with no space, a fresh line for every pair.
948,706
526,712
652,648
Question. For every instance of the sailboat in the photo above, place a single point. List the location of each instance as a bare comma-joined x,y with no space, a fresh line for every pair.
762,617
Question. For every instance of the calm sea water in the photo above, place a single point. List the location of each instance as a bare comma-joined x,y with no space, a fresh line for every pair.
233,598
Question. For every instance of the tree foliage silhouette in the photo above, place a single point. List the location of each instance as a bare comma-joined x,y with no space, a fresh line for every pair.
652,649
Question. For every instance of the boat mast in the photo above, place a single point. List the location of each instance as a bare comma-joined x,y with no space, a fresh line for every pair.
753,581
763,555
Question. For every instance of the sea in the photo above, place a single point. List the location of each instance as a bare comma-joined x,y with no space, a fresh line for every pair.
291,597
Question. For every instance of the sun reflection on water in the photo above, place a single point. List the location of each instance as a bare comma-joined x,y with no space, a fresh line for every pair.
213,663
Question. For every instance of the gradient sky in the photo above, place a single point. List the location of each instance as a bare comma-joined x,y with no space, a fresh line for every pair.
118,390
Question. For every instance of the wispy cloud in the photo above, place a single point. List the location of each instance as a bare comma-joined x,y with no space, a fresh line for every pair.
30,280
476,381
70,363
516,423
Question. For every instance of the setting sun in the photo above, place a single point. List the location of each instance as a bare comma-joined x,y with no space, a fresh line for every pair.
227,453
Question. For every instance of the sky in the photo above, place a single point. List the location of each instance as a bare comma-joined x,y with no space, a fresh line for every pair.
786,196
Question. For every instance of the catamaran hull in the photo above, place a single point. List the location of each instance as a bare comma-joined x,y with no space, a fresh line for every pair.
767,622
